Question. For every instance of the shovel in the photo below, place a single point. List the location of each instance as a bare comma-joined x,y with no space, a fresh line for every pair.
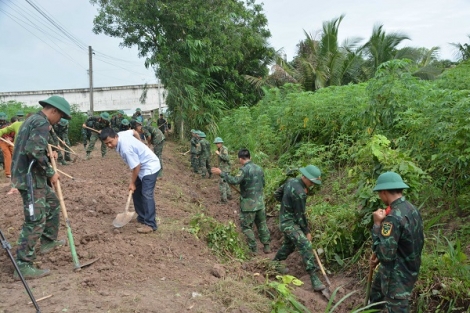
325,292
92,129
125,217
76,262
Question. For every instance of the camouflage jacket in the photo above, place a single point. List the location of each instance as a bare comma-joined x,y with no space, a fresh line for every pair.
61,131
116,122
205,148
398,244
293,197
224,159
97,122
31,143
251,181
155,135
194,144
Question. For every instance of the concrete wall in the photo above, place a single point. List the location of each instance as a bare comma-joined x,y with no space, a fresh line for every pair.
104,98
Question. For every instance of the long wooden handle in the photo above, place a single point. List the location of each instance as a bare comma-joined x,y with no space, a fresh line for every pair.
65,174
7,141
321,267
63,142
57,186
92,129
59,148
128,203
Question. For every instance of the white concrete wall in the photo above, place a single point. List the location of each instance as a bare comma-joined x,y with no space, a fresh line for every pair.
104,98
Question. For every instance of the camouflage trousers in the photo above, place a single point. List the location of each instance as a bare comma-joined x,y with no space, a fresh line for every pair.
247,219
194,163
93,139
204,166
224,189
65,138
85,136
396,298
158,150
45,227
294,237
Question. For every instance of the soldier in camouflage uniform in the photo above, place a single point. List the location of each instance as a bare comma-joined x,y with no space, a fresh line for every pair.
31,144
125,125
204,155
398,241
224,165
293,222
252,210
116,120
99,123
155,137
61,129
193,150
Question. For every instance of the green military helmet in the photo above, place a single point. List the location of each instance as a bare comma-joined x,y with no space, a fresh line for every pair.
390,181
121,112
105,116
138,110
58,103
20,113
202,134
218,140
193,131
3,116
125,122
312,173
63,122
138,122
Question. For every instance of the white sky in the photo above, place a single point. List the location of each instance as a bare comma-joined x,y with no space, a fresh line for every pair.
27,61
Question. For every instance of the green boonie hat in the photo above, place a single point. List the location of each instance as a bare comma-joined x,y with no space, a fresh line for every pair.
20,113
125,122
138,110
58,103
390,181
63,122
105,116
218,140
138,122
193,131
3,116
121,112
202,134
312,173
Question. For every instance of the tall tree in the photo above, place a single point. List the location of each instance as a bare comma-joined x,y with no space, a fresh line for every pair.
462,50
200,50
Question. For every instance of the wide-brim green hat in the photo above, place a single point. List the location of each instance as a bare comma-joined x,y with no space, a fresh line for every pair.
218,140
193,131
312,173
390,181
138,110
63,122
105,116
121,112
125,122
58,103
20,113
3,116
202,134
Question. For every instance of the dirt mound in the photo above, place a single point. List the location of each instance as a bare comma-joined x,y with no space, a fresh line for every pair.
166,271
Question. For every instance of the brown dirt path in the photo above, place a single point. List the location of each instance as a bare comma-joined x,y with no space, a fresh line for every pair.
167,271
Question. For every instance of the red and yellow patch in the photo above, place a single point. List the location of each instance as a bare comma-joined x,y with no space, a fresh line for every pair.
386,229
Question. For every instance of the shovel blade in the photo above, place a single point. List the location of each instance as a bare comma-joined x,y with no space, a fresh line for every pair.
122,219
326,293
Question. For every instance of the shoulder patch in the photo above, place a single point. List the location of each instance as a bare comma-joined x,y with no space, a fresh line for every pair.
386,229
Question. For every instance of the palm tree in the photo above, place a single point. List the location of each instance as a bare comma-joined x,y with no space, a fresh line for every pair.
463,50
382,47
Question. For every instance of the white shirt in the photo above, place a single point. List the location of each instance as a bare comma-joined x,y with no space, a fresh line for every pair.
135,152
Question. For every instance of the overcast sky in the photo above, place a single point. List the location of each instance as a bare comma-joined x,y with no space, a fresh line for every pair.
35,56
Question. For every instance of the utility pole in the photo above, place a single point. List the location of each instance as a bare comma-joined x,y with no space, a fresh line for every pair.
159,96
90,73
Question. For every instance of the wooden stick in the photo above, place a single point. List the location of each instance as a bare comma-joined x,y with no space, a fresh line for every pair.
40,299
59,148
321,267
92,129
63,142
65,174
7,141
185,152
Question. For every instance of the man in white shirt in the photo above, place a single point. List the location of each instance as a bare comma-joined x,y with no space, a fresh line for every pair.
145,166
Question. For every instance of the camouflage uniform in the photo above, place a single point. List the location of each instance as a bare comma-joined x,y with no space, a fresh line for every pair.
86,133
31,143
116,122
398,244
98,123
194,158
62,131
293,223
158,140
204,158
252,210
224,165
